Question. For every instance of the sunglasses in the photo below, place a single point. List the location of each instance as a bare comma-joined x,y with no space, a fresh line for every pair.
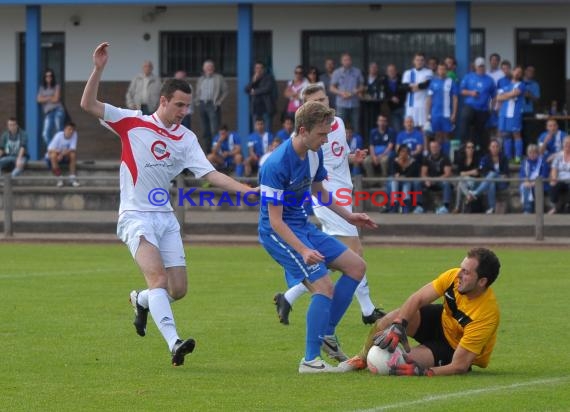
296,72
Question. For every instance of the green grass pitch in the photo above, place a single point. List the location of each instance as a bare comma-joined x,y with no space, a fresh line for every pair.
68,343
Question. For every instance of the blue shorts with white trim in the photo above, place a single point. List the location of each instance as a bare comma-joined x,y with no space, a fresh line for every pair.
510,124
296,270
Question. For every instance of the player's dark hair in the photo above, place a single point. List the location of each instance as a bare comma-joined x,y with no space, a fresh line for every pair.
224,127
12,119
53,79
488,266
506,63
170,86
70,124
311,89
497,55
403,147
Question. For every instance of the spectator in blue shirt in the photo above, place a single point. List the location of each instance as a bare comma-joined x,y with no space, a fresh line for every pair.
478,90
287,130
257,144
550,141
355,142
226,151
412,138
381,148
532,167
532,93
510,115
347,84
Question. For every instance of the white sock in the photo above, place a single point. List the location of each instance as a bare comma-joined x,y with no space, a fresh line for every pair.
295,293
363,295
161,312
142,298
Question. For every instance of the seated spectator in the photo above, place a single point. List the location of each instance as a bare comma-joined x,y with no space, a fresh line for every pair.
404,165
412,138
13,143
287,130
550,141
532,167
355,142
258,144
274,144
437,164
467,167
560,175
61,150
226,151
493,165
381,149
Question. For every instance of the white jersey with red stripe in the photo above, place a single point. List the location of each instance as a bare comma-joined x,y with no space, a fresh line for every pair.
335,154
152,155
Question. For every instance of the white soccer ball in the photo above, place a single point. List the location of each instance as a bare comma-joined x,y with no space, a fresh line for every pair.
380,361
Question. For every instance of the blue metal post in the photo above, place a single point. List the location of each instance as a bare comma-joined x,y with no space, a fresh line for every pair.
244,45
33,49
462,36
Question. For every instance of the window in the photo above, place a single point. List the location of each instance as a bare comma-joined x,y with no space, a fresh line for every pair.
383,46
188,50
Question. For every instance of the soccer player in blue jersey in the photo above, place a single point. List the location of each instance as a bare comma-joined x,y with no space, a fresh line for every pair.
441,106
412,138
511,97
290,175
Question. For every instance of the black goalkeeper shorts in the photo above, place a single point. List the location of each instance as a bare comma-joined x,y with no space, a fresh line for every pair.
430,334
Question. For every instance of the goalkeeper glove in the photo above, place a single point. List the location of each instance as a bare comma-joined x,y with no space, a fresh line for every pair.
394,335
410,369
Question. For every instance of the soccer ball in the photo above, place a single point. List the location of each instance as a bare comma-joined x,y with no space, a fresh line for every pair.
380,361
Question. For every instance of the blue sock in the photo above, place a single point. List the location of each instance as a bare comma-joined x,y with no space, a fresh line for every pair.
317,321
446,147
508,147
239,170
343,292
519,148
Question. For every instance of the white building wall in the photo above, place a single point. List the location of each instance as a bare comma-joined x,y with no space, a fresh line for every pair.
124,28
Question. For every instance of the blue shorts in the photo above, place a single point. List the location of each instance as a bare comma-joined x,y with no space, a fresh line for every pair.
296,270
510,124
441,124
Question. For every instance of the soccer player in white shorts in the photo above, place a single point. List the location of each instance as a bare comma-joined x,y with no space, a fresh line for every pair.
336,152
156,149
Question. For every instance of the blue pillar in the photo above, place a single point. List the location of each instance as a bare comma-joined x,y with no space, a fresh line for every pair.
462,36
33,49
244,45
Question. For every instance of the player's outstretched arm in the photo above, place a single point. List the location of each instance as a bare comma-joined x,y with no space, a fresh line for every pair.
89,101
227,183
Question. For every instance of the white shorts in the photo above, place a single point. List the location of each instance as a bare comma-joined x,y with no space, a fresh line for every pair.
333,224
161,229
418,114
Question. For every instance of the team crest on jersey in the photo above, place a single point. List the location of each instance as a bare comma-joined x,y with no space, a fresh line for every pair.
337,149
159,150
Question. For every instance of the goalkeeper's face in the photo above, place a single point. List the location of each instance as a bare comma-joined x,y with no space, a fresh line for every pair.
469,282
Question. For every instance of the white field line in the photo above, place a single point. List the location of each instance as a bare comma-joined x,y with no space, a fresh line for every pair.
465,393
69,272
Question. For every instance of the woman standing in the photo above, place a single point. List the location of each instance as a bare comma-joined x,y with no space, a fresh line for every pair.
49,96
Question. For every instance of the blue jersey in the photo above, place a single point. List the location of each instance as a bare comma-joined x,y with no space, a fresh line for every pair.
381,140
503,82
534,89
441,92
260,143
554,145
485,87
285,179
357,142
283,134
412,140
512,108
228,144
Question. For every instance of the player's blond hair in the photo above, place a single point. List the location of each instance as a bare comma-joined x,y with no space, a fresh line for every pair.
311,114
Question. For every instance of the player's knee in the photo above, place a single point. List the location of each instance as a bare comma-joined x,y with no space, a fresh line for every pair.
177,293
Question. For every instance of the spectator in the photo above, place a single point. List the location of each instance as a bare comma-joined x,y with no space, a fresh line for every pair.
293,91
506,68
510,115
532,167
494,71
417,81
437,164
394,96
313,77
441,106
287,130
61,150
531,98
381,148
432,63
404,165
262,92
467,167
560,175
13,143
274,145
372,98
49,96
550,141
493,165
226,151
211,91
187,121
144,90
347,84
412,138
479,91
451,65
355,142
258,144
326,78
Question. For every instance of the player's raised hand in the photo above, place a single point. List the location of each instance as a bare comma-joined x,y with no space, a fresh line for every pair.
100,55
362,220
391,337
311,256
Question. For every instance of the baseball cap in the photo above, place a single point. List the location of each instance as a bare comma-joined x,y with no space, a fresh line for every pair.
479,61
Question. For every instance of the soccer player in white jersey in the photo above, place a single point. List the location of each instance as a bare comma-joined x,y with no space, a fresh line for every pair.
336,154
156,148
417,79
